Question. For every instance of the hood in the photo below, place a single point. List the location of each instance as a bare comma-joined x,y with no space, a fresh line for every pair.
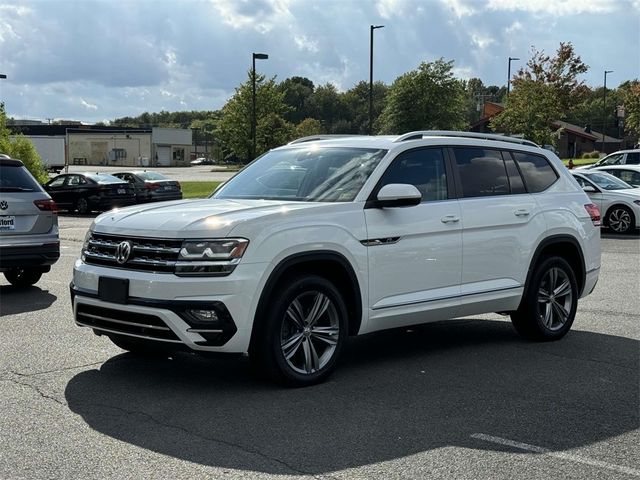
630,193
208,218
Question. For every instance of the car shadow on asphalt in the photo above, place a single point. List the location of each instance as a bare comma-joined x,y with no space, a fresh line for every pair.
395,394
635,235
15,300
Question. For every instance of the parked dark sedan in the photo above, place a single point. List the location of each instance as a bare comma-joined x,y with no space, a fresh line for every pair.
85,192
151,186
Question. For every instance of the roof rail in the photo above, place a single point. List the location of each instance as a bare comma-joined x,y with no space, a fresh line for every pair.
447,133
313,138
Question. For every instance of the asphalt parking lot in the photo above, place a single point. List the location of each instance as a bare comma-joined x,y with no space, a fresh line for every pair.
461,399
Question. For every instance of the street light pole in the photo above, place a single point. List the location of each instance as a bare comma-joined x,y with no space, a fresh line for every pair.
371,29
254,56
604,106
509,74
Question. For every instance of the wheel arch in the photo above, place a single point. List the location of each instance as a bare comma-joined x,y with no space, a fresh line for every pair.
565,246
328,263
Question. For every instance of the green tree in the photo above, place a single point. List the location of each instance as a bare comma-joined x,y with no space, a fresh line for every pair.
327,106
21,148
631,99
531,108
547,89
234,128
273,131
356,101
297,92
308,127
427,98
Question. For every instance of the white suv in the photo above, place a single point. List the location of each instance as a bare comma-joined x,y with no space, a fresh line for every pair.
329,237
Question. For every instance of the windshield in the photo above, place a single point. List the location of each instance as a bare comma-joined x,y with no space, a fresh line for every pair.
150,176
312,174
103,178
608,182
613,159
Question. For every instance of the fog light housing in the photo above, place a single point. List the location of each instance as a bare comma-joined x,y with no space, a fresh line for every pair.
204,315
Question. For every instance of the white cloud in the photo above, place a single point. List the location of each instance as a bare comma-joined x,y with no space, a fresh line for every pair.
554,7
464,73
305,43
87,105
261,15
482,41
514,28
390,8
460,8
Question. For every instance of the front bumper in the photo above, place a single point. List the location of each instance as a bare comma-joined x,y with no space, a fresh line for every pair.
29,256
157,304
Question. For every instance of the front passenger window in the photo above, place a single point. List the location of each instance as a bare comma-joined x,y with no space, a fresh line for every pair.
423,168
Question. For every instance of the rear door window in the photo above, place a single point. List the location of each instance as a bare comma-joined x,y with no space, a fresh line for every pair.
482,172
538,174
633,158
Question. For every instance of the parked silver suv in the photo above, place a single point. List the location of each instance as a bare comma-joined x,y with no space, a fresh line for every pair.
29,242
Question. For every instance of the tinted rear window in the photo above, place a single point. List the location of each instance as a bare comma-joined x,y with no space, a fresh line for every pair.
482,172
633,158
17,179
103,178
150,176
537,173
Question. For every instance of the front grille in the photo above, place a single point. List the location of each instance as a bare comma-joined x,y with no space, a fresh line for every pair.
119,321
148,254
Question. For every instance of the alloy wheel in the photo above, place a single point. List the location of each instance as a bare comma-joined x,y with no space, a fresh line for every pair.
310,332
619,220
555,299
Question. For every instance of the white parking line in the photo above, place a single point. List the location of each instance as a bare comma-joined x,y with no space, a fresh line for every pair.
563,456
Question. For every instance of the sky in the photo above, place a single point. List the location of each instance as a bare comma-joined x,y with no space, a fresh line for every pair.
95,60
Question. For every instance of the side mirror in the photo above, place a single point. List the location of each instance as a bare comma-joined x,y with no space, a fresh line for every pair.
589,189
398,195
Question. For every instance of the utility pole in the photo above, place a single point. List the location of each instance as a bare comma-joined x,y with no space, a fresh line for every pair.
254,56
371,29
509,74
604,106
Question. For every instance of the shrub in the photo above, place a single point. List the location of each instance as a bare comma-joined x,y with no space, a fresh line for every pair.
595,154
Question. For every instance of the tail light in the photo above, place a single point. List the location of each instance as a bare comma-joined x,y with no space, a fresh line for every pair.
152,186
46,205
178,185
594,212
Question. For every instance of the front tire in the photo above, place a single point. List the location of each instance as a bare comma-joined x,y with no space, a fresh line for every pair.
549,305
23,277
82,206
303,333
620,219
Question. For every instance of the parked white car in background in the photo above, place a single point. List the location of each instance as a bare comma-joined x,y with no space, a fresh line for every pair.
622,157
326,238
618,201
627,173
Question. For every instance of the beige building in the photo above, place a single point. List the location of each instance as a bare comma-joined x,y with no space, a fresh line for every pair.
109,148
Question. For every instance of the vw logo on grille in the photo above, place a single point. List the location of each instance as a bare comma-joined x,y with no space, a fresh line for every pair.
123,250
4,205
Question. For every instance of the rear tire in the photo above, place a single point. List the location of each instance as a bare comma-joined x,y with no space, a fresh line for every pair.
23,277
301,338
140,347
549,305
620,219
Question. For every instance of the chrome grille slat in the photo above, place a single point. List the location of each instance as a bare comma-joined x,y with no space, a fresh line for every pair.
123,322
147,254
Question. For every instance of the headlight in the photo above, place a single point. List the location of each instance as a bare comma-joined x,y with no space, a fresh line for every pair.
85,245
210,257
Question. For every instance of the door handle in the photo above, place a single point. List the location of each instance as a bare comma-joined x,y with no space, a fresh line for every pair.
522,212
450,219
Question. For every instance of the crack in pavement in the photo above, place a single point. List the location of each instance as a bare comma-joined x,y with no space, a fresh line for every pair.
74,367
35,389
245,449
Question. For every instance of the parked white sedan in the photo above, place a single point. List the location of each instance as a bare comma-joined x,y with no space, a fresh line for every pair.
618,201
627,173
